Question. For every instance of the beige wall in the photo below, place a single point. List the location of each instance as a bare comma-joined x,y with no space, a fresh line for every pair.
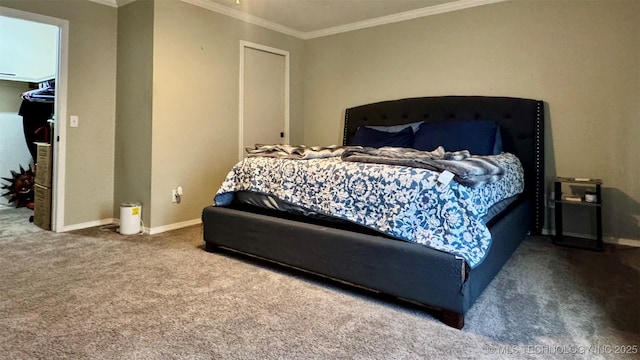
177,111
581,57
195,103
91,96
132,180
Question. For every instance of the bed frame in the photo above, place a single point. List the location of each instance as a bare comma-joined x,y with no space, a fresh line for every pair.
409,271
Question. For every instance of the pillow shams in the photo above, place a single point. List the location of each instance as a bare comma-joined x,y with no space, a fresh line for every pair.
366,136
396,128
497,146
479,137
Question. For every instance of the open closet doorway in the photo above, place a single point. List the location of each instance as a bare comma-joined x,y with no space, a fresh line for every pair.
36,70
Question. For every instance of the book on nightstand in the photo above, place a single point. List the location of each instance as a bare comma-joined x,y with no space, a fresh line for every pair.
574,198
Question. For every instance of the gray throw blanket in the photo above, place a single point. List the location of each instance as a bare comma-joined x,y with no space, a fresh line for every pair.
299,152
471,171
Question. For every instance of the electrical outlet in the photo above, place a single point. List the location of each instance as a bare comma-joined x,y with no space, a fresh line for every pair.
174,196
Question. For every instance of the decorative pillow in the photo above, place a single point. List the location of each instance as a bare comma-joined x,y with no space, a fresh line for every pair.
478,136
497,146
375,138
396,128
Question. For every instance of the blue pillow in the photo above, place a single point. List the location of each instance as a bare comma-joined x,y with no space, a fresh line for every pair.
396,128
375,138
477,136
497,146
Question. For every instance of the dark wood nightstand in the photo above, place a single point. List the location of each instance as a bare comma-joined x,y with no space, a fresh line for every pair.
596,203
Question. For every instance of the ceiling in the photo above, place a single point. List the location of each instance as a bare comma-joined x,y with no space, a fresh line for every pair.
314,15
314,18
33,49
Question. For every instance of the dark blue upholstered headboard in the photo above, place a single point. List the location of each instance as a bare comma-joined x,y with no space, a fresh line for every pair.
521,123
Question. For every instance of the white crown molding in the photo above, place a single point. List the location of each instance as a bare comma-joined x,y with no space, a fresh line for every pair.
407,15
236,14
113,3
403,16
383,20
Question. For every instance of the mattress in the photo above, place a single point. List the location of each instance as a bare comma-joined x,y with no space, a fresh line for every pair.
271,202
406,203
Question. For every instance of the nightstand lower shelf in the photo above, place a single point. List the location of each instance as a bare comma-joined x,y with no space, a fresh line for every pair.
579,243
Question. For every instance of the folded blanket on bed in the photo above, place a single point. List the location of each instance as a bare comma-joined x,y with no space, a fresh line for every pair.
300,152
472,171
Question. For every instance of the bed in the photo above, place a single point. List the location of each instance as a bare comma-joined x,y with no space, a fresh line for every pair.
356,255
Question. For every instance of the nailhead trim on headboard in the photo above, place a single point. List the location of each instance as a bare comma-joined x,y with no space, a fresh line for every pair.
539,197
346,126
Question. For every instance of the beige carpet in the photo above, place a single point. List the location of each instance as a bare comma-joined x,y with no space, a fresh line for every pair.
95,294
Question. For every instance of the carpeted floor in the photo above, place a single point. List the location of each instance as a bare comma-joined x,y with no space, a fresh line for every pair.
95,294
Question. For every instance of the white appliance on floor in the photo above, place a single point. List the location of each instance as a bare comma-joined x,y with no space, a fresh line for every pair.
130,218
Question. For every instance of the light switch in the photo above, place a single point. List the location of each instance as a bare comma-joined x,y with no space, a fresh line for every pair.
73,121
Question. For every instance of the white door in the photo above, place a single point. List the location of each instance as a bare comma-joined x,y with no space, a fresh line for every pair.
264,96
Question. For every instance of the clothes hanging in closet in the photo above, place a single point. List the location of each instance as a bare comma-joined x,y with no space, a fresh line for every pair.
36,109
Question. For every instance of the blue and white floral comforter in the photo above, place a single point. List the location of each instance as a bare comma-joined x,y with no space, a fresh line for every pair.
403,202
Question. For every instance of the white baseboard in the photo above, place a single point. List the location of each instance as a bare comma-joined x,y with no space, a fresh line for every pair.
174,226
621,241
88,224
147,230
606,239
183,224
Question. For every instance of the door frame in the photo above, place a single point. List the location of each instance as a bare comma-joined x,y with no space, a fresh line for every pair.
60,110
243,46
